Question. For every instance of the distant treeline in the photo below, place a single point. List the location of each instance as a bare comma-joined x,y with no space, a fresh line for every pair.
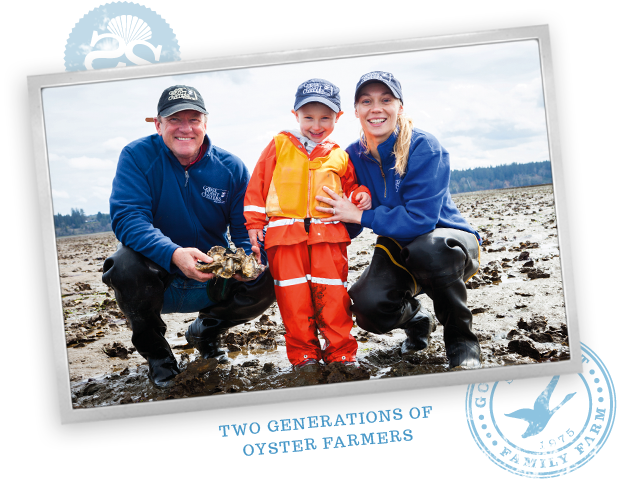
502,176
78,223
461,181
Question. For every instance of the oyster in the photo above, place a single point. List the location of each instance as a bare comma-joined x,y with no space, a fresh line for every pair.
226,263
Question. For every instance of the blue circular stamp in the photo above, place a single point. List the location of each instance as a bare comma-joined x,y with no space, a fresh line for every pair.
544,427
120,34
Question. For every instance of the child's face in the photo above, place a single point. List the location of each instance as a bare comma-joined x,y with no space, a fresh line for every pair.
316,121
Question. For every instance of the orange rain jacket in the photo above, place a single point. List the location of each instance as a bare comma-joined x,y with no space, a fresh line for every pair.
282,189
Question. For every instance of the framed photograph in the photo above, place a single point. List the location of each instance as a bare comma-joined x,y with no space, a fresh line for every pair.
488,99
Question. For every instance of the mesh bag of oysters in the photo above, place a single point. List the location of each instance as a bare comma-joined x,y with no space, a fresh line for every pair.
227,262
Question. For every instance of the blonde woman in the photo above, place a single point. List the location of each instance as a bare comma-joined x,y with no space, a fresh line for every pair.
424,244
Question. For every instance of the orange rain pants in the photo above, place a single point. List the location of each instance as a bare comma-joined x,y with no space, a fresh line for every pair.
310,282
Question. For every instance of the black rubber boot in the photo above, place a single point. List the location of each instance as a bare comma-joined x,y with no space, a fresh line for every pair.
206,335
139,285
238,302
462,346
418,328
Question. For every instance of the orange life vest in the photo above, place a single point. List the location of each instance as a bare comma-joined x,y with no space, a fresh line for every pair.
297,179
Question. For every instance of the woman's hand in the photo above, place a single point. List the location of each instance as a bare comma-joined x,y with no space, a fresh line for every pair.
341,208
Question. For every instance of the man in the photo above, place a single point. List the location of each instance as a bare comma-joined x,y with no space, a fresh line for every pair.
174,196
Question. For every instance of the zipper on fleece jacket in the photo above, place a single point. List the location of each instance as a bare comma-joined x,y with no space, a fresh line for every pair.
385,187
189,207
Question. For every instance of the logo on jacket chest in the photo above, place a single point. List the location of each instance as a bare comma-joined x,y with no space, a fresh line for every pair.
397,181
215,195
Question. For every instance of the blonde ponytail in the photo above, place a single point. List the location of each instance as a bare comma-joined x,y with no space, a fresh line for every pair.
404,126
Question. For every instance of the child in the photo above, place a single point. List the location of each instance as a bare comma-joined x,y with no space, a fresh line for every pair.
308,258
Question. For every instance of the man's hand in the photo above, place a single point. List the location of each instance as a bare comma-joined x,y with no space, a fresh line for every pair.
185,259
364,201
254,235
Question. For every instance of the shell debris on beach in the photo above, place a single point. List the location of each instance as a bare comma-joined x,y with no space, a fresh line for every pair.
516,298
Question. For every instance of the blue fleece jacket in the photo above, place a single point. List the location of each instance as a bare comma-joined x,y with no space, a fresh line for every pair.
405,208
156,206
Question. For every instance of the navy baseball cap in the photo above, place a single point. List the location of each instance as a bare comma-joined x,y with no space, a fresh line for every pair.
178,98
382,77
318,90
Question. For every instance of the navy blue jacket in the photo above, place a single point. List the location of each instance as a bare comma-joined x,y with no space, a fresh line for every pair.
405,208
156,206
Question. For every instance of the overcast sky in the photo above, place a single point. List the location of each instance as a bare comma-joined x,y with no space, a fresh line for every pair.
483,103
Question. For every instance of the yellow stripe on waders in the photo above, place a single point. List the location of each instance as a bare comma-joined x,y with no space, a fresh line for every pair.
479,252
414,279
415,285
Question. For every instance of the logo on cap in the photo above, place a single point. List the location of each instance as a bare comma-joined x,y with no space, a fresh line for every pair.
320,88
182,94
381,76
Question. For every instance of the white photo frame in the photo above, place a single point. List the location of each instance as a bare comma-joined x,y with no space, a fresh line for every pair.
37,85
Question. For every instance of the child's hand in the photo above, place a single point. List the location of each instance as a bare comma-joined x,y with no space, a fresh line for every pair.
364,201
255,234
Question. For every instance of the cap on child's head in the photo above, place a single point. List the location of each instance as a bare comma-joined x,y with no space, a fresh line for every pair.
318,90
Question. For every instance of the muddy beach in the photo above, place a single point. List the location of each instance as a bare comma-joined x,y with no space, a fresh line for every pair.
516,298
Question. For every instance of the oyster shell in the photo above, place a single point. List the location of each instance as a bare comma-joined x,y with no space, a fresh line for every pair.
226,263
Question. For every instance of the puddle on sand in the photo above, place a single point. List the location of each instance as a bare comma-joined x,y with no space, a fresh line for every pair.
546,246
509,278
382,372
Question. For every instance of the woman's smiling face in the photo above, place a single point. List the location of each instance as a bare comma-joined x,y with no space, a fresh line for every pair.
378,109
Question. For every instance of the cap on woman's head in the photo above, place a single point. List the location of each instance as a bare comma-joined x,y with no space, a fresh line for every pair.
382,77
178,98
321,91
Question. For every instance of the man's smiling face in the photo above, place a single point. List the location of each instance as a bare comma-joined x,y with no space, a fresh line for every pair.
183,133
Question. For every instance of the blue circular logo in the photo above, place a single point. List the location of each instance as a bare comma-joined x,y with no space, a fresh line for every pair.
544,427
120,34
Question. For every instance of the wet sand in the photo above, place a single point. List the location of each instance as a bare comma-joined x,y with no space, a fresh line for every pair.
516,297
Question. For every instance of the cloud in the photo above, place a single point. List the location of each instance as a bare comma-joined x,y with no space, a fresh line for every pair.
86,163
56,157
116,144
59,194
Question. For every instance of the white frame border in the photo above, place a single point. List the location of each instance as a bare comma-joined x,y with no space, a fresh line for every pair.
36,84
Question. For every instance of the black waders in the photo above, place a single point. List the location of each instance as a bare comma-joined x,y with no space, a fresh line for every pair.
140,286
383,298
237,303
438,264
